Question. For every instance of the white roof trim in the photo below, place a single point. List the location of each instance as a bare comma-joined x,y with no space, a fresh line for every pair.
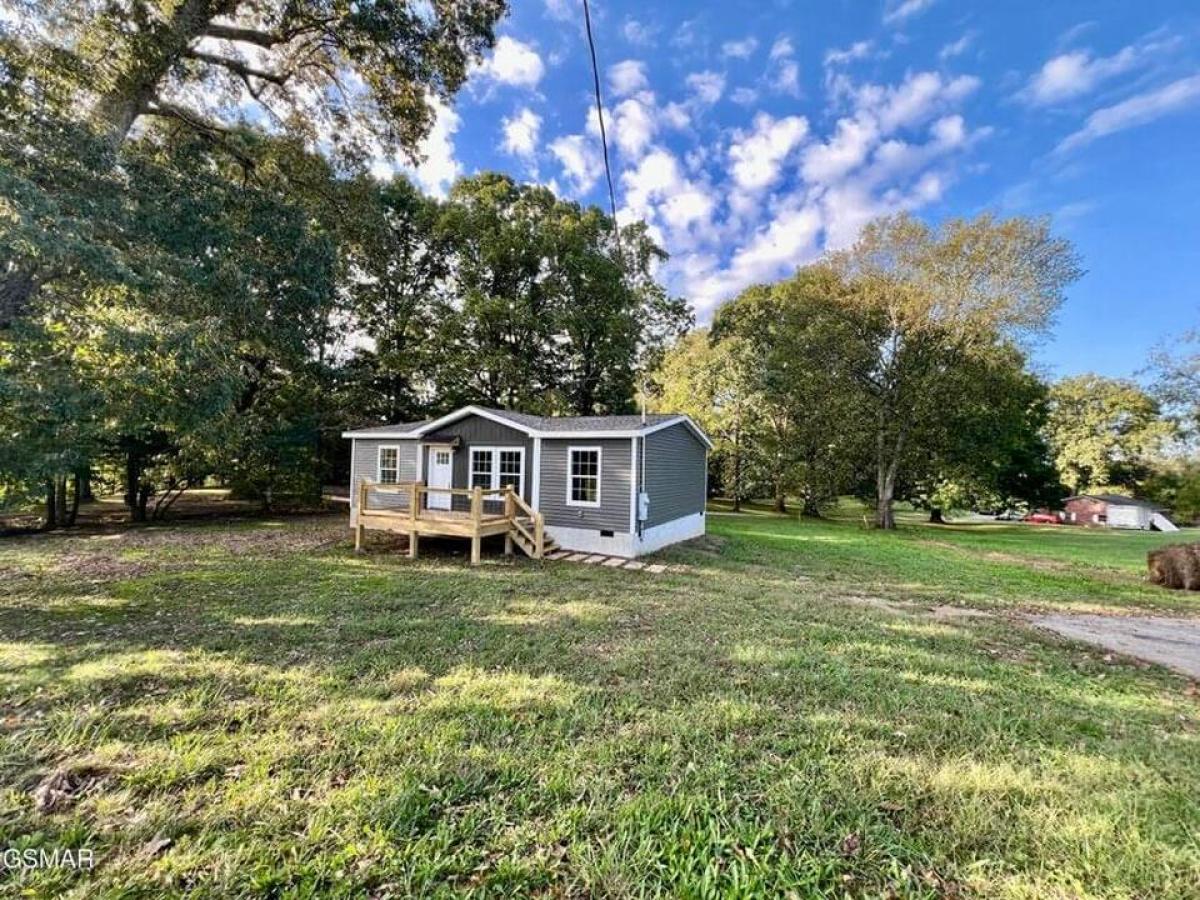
532,432
470,411
380,435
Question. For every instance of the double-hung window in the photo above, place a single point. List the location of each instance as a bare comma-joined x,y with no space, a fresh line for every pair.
481,468
493,468
509,469
389,465
583,476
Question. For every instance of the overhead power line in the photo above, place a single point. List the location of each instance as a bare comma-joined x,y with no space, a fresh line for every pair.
612,196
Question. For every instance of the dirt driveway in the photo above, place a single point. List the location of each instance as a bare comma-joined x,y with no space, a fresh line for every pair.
1174,643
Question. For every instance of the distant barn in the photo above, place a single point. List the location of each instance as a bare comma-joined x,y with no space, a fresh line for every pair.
1116,511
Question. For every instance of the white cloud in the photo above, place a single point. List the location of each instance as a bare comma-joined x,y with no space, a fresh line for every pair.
757,157
438,168
898,11
1137,110
957,48
787,78
521,133
561,10
782,47
639,33
580,158
857,50
744,96
635,124
675,115
742,49
1073,74
827,162
707,87
513,63
786,201
626,77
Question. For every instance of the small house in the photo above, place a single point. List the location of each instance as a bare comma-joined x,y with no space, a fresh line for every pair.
617,485
1115,511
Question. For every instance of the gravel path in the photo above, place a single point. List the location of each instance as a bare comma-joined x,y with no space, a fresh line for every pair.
1174,643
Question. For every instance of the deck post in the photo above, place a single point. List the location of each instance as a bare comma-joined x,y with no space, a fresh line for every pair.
412,544
538,535
359,529
510,510
476,516
414,500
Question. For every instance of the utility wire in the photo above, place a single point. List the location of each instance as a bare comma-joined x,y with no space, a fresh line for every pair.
612,197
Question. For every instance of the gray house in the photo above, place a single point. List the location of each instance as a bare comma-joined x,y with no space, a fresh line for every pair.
619,485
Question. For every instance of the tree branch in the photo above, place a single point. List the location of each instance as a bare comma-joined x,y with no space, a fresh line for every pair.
245,35
238,67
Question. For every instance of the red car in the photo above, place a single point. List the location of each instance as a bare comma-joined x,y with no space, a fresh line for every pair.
1043,518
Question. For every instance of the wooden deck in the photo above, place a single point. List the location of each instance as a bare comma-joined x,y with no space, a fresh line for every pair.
518,522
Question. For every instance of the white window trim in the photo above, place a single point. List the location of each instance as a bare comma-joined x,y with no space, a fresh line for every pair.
599,451
495,453
379,463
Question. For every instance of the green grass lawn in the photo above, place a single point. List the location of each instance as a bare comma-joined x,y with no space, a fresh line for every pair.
255,710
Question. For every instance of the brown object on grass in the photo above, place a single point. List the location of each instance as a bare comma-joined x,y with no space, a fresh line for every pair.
1176,566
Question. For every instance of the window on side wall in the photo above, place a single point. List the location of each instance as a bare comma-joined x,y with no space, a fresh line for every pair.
389,465
583,476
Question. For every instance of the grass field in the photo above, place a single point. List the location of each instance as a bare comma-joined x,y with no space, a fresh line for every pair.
253,710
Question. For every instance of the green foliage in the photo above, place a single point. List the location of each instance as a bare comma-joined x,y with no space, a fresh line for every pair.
712,381
937,314
1175,484
355,75
550,315
1104,431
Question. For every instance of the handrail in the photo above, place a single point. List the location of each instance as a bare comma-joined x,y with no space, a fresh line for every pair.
539,525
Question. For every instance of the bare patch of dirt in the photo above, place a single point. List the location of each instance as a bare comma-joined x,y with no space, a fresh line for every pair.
135,552
64,788
945,612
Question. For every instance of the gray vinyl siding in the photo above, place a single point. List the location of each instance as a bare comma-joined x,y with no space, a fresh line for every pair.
615,472
364,463
476,431
675,474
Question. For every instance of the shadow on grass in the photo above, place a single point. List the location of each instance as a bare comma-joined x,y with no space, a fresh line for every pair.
520,727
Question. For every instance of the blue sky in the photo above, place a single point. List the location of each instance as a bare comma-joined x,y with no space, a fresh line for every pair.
753,137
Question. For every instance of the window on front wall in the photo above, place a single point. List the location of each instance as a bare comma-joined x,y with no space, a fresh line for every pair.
481,468
583,481
509,470
493,468
389,465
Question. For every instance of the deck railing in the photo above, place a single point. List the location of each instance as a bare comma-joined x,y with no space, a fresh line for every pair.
416,517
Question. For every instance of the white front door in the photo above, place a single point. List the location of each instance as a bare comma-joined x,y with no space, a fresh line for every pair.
441,474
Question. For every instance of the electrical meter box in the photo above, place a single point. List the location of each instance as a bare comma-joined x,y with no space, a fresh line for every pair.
643,506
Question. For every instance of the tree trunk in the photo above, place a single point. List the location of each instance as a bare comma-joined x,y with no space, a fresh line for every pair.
60,499
143,500
885,516
73,510
136,85
17,287
811,508
85,487
935,516
50,519
737,470
780,498
137,495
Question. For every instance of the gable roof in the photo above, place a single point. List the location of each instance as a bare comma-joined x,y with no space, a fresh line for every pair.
1116,500
541,426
